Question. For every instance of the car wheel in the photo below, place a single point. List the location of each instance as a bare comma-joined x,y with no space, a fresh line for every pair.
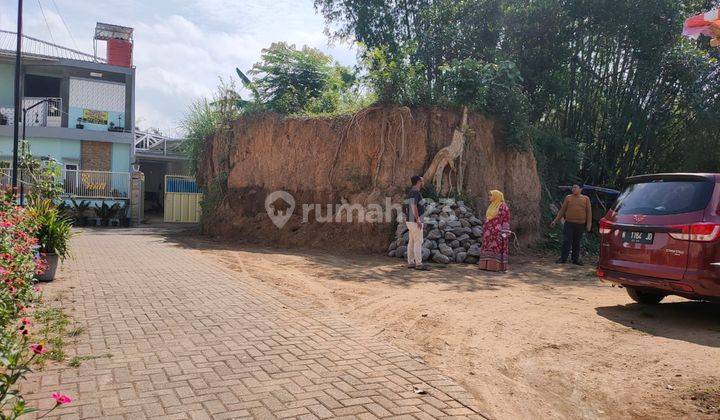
647,298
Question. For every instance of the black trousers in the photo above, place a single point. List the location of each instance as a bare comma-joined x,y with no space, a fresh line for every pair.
572,235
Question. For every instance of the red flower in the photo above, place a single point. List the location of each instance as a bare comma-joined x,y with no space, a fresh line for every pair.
38,349
61,399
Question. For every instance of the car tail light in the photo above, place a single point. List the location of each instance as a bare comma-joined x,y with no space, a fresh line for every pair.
600,272
605,226
698,232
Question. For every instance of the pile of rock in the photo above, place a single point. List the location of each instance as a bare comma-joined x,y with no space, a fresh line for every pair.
452,233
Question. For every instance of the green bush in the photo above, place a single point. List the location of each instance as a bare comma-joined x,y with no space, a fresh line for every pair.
54,231
199,125
394,77
492,88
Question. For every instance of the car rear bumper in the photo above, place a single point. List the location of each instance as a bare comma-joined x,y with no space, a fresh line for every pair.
691,289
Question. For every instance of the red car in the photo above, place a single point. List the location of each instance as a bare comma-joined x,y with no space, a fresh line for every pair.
662,238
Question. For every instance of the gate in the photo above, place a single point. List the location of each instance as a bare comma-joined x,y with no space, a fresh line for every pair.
182,199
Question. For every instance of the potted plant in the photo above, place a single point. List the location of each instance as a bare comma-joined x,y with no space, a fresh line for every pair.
53,236
105,212
80,210
124,216
79,123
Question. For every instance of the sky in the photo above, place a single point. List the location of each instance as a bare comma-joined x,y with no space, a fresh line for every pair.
182,47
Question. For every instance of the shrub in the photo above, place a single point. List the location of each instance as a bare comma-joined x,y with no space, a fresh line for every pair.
394,77
493,88
19,262
199,125
53,230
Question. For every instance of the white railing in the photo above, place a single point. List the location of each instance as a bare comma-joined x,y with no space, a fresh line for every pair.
81,184
152,143
5,178
96,184
47,114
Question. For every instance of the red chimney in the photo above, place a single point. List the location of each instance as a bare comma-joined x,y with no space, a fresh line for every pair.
119,43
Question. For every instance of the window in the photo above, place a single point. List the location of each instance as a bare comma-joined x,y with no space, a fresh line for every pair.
41,86
659,198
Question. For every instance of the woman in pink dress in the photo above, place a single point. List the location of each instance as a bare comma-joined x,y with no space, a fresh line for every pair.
494,249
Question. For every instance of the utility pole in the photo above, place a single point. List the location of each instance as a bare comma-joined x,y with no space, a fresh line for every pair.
18,68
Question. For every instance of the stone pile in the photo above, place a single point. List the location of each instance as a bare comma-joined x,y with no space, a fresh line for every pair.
452,234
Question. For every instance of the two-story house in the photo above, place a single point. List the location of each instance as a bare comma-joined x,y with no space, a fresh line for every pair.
80,108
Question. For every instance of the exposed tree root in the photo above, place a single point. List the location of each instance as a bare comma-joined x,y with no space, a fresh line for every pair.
392,132
445,160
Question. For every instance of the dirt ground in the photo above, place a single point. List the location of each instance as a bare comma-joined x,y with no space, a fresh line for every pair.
540,341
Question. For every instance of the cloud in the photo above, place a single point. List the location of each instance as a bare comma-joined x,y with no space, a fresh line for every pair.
183,47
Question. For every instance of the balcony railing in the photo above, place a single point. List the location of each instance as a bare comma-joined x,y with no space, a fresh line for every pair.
47,114
97,184
82,184
157,144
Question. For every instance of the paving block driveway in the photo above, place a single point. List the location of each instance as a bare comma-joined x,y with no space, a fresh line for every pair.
192,339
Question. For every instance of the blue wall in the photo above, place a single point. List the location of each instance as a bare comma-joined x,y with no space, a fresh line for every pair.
58,149
120,157
67,150
75,113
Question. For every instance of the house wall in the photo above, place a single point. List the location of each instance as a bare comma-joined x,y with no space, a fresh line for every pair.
66,151
96,156
105,99
100,156
7,85
120,157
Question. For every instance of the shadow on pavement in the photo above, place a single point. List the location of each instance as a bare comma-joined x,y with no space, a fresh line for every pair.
354,267
694,322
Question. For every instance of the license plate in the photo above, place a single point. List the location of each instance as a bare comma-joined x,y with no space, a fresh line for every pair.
638,237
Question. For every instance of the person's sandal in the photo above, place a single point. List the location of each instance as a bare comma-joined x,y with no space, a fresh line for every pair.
410,266
422,267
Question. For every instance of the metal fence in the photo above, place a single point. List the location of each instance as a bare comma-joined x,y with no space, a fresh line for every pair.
81,184
47,114
181,184
96,184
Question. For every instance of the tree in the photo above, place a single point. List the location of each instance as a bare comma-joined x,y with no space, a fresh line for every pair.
614,77
289,80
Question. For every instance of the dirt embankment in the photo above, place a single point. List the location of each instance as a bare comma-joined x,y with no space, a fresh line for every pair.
355,160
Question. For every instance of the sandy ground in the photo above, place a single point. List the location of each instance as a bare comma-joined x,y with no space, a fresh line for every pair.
540,341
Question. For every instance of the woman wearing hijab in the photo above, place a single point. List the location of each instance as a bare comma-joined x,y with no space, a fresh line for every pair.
494,250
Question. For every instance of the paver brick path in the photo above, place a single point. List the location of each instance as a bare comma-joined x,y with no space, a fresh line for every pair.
192,339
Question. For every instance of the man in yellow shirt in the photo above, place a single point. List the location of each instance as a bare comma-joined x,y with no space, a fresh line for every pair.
577,212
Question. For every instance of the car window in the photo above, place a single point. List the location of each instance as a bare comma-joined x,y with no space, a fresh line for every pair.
664,197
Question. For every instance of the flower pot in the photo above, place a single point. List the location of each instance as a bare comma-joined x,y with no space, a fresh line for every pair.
52,265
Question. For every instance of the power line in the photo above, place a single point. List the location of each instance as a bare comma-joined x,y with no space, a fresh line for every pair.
46,22
67,28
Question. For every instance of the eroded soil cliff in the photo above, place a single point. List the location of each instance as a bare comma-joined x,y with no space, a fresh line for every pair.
357,160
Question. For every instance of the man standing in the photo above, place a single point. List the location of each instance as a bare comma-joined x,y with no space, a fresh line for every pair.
415,208
577,212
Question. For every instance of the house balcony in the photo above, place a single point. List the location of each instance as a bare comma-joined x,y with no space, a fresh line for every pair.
46,121
92,185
